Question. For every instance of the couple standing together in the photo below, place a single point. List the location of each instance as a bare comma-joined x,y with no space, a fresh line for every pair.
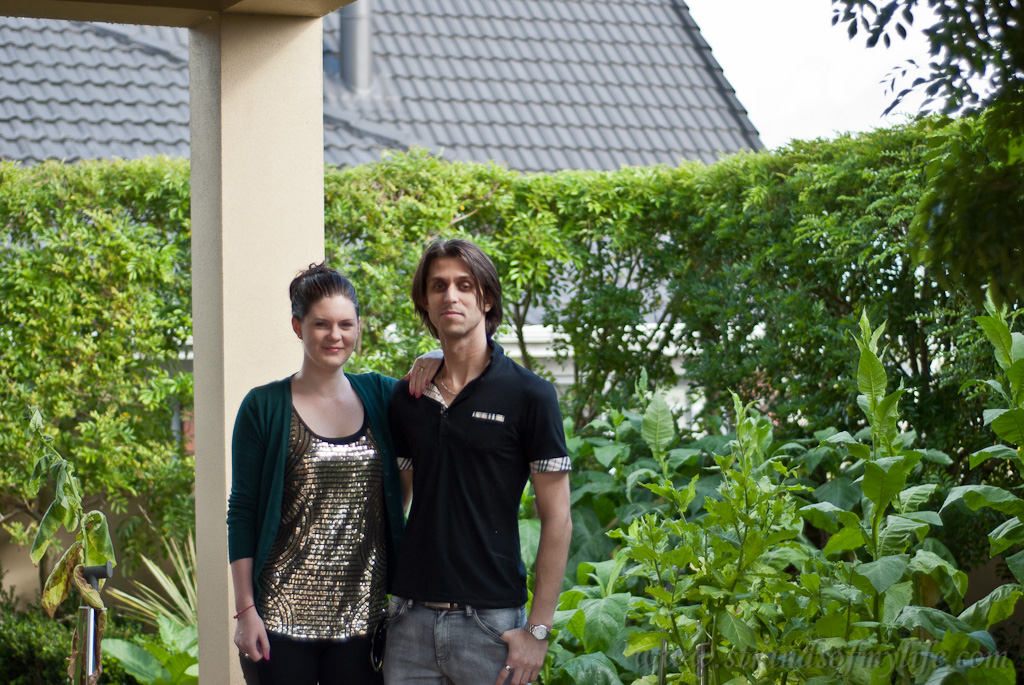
325,464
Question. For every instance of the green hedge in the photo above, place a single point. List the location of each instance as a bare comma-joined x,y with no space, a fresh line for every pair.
750,270
95,309
747,273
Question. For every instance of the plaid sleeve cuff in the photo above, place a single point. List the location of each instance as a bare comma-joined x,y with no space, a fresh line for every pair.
550,465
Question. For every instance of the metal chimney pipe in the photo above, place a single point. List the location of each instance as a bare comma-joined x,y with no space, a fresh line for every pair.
355,52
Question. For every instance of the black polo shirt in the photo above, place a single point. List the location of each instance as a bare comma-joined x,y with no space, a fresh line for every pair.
470,463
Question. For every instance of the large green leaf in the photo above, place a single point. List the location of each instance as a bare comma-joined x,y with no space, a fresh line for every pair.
1016,565
931,564
887,414
990,415
827,516
604,618
1010,426
1006,535
1015,374
606,454
832,625
841,492
1017,351
883,480
605,573
999,335
900,533
882,573
592,669
994,452
589,539
997,606
897,597
529,540
598,483
639,641
938,622
912,498
978,496
635,477
180,666
936,457
840,438
658,428
992,670
851,537
871,378
136,661
735,630
932,518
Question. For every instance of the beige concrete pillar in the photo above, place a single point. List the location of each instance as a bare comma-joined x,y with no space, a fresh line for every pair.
257,218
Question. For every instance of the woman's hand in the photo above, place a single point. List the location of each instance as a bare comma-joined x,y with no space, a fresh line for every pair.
251,636
423,370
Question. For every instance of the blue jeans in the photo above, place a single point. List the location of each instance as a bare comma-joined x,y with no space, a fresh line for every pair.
440,647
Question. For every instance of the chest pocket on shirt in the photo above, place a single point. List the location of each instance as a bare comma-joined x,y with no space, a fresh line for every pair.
488,432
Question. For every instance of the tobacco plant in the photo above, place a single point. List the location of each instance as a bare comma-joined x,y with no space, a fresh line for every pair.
895,597
733,568
1007,421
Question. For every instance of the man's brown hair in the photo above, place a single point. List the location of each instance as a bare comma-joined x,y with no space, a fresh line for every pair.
485,277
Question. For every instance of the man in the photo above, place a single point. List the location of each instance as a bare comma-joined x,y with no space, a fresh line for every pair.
468,445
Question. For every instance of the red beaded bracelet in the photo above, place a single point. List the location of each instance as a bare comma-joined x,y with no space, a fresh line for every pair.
244,610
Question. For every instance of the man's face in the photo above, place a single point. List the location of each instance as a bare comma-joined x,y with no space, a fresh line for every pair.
452,302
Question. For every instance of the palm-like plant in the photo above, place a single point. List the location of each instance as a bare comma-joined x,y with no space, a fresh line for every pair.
176,597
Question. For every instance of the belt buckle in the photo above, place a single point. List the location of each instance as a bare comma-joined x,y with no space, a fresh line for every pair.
444,606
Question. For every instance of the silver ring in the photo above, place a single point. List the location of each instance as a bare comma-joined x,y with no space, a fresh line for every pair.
507,667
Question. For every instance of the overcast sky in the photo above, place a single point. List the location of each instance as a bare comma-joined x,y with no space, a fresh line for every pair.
796,74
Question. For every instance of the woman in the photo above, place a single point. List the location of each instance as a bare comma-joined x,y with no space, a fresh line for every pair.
316,509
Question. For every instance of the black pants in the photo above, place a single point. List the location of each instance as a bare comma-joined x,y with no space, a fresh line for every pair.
313,662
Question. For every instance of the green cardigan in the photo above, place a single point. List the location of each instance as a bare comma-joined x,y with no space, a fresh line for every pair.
259,446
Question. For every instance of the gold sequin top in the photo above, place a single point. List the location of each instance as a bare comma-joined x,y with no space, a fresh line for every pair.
325,577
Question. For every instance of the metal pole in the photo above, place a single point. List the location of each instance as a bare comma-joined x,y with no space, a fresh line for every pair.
90,642
92,574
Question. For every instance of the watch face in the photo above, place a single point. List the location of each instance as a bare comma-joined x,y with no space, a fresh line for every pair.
539,632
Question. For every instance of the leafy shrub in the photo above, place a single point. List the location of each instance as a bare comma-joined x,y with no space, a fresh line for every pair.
34,648
745,275
95,310
171,656
743,566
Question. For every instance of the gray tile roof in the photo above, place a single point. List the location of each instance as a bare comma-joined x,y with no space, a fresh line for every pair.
70,90
539,85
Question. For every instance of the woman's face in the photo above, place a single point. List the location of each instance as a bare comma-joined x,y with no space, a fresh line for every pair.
329,332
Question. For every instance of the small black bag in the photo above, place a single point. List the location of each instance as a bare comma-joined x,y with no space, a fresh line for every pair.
377,642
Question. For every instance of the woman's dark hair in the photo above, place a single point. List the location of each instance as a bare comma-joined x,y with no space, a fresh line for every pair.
316,283
485,276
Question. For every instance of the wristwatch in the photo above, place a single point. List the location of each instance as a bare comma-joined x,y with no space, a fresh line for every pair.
539,632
